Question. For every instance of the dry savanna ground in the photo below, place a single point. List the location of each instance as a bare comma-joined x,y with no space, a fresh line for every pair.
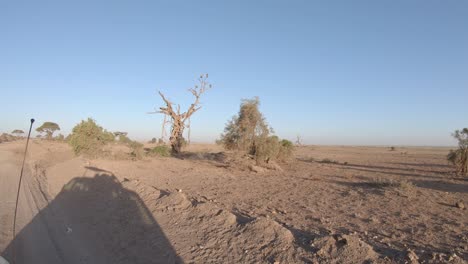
330,204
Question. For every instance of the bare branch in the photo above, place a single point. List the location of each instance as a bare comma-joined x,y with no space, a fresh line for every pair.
177,119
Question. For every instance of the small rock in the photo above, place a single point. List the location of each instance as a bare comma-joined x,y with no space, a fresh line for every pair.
412,257
460,205
281,211
256,169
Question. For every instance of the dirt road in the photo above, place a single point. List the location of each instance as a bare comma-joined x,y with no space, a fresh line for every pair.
44,242
87,222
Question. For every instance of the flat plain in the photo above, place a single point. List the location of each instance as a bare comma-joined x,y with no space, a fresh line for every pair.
330,204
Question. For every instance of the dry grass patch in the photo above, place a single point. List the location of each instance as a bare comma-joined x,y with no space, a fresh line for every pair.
379,182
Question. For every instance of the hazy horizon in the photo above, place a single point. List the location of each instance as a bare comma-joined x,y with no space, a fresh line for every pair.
335,73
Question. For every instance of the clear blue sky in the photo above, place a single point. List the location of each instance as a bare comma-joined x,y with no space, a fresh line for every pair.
335,72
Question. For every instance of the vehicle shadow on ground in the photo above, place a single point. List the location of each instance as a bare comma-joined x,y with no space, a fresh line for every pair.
93,220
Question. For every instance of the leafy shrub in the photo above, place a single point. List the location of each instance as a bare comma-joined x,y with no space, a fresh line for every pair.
88,138
137,147
286,150
60,137
459,157
124,139
390,183
243,130
248,131
266,149
162,150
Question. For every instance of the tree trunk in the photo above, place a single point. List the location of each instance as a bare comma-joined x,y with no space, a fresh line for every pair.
177,137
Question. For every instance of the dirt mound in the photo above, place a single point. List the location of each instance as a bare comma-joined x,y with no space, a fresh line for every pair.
267,240
174,201
214,233
343,249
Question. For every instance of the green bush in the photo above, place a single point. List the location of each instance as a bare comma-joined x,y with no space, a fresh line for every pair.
137,147
266,149
249,132
88,138
272,149
286,150
60,137
459,157
162,150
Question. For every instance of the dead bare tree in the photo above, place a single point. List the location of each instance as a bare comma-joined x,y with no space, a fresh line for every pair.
299,141
163,129
178,119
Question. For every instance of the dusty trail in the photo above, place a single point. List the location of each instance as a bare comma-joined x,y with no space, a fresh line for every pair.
42,235
91,220
44,243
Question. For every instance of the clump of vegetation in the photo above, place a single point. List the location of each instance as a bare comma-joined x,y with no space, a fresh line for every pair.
459,157
4,137
17,132
392,148
286,150
328,161
48,128
162,150
60,137
249,132
390,183
88,138
137,147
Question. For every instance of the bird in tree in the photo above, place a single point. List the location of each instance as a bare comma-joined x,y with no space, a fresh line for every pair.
48,128
17,132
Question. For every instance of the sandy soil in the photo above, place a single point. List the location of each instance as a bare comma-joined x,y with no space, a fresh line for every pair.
368,205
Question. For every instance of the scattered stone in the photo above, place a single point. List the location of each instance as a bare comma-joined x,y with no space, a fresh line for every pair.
460,205
281,211
411,257
256,169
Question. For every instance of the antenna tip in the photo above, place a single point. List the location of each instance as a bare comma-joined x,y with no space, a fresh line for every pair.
32,120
